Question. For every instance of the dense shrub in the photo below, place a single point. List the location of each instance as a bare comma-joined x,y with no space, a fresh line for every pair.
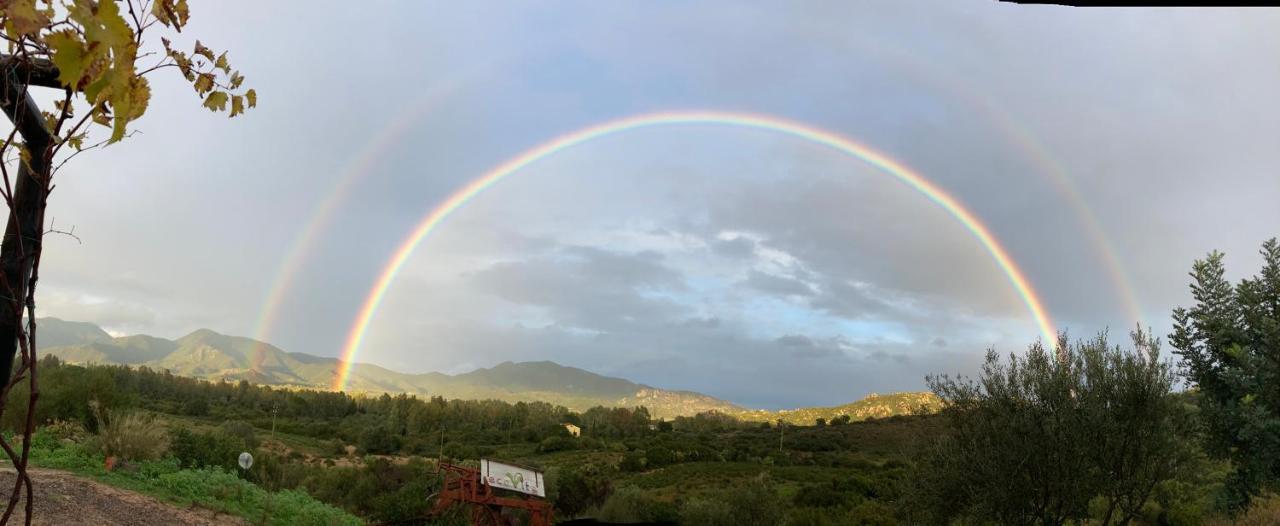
632,504
242,430
206,449
556,443
574,490
707,511
659,456
1039,438
379,440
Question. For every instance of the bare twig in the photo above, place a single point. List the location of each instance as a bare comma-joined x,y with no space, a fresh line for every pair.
69,233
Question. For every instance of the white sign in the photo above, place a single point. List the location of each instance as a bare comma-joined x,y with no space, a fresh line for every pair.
514,478
246,460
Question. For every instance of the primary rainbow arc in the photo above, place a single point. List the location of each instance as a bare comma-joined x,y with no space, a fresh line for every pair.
763,122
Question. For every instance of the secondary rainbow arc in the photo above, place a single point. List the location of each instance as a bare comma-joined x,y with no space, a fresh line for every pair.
884,163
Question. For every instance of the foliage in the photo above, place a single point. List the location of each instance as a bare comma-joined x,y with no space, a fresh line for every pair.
132,436
1261,512
206,449
212,488
708,512
574,490
96,46
850,473
241,430
1034,441
632,504
1229,342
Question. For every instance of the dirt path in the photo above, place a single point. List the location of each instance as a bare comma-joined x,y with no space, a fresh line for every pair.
63,498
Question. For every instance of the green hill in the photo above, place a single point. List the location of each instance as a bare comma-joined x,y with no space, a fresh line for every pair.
213,356
873,406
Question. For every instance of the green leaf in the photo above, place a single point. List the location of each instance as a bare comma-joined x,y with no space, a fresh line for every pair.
221,63
69,55
237,105
253,98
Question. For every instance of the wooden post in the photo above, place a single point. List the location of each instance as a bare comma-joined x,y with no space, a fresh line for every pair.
25,226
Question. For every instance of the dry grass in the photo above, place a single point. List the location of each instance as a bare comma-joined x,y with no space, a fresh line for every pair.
131,436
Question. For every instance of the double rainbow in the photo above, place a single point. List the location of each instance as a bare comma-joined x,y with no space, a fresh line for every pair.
887,165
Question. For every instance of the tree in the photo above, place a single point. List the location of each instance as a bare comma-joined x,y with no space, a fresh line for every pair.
1035,440
575,490
95,54
1229,344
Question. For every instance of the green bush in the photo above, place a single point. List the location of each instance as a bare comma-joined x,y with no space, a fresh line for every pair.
632,504
556,443
755,502
819,496
707,512
659,456
206,449
575,490
242,430
871,513
633,461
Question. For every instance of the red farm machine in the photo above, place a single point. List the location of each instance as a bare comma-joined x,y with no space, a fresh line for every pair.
478,490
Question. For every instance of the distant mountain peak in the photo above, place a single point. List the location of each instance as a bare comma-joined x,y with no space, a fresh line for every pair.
208,354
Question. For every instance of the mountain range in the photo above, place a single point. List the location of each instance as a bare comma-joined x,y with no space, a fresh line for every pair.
213,356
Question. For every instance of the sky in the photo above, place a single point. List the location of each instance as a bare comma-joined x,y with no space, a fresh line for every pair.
1105,149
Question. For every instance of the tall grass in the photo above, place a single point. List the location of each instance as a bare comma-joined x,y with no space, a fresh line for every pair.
132,436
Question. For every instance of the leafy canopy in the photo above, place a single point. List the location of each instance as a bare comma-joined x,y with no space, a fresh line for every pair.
101,54
1229,342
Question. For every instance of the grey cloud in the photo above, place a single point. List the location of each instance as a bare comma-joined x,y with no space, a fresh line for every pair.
738,247
588,287
794,340
702,323
776,285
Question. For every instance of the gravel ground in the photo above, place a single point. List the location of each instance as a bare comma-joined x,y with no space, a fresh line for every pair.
63,498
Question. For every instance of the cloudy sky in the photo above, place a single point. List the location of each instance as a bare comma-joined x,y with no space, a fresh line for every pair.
1105,149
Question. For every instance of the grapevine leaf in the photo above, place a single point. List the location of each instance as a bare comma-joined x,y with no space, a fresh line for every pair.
69,55
216,101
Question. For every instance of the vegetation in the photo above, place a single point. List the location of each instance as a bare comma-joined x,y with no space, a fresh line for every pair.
1042,438
1084,433
1229,343
211,487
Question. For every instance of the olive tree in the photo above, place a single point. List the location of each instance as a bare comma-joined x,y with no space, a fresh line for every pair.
1038,439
